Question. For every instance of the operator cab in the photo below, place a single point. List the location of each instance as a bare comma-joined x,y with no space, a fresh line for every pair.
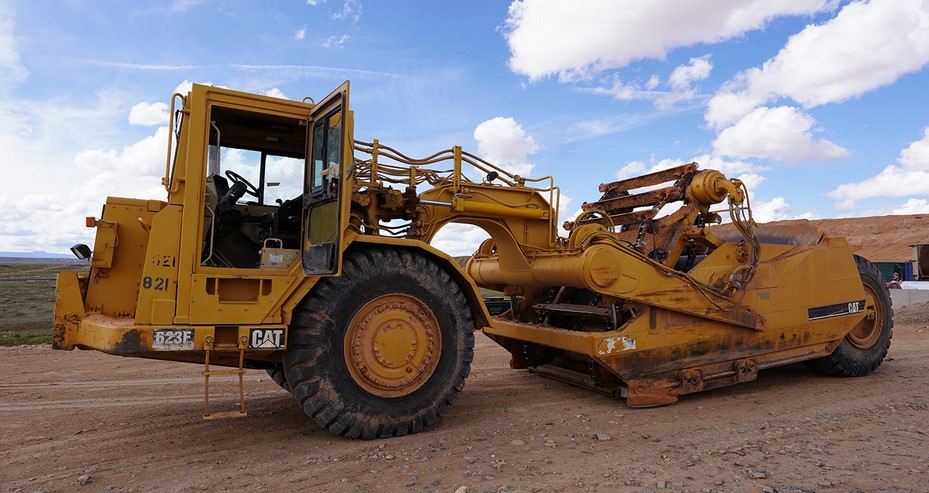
254,186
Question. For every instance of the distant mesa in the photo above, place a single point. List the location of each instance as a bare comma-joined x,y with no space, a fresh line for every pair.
35,255
38,257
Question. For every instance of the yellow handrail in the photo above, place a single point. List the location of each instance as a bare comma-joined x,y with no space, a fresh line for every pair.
168,180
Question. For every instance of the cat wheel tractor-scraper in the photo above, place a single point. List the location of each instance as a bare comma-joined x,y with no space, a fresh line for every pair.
286,245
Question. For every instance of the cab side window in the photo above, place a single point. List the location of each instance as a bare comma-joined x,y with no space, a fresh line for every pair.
327,152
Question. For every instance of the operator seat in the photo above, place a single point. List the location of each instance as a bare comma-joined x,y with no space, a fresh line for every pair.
286,224
220,186
216,187
221,200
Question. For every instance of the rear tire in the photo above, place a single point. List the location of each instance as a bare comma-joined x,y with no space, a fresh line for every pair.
383,349
277,374
864,348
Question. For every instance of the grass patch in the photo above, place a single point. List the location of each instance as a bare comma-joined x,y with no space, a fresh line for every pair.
11,338
27,299
490,293
25,269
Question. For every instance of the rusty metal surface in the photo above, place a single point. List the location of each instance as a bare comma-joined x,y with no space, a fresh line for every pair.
392,345
621,219
650,178
574,309
664,353
649,198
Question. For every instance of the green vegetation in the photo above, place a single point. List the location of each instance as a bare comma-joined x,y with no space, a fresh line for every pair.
27,300
26,269
10,338
490,293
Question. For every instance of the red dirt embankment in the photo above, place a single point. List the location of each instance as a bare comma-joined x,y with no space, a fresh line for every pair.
881,238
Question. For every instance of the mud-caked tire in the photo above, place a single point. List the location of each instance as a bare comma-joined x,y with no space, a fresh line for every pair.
865,347
382,350
279,377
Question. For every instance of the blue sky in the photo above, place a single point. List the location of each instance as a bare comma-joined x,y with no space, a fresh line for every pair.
821,106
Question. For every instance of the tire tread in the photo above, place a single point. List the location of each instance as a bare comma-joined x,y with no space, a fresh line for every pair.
314,348
848,361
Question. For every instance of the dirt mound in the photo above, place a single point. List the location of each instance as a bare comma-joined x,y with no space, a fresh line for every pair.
912,315
881,238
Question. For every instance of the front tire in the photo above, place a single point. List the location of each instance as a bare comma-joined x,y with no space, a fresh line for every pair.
383,349
865,346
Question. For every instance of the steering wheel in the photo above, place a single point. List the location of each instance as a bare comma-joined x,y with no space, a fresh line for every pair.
237,178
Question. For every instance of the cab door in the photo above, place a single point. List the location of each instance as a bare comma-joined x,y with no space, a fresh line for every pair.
329,163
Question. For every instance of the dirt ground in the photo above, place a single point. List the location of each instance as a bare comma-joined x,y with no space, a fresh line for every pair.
119,424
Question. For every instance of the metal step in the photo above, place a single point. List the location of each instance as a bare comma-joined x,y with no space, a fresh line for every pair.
208,415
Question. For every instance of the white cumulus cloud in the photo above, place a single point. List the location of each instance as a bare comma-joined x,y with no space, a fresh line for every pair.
865,46
908,176
636,168
459,239
577,39
351,10
653,82
781,133
697,69
336,41
145,158
503,142
776,209
728,107
747,172
681,82
678,88
912,206
54,222
275,93
148,114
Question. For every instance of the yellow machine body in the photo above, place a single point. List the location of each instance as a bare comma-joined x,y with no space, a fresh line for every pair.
630,302
150,293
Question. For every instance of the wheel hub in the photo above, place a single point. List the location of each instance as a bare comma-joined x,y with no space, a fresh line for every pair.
868,330
392,345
